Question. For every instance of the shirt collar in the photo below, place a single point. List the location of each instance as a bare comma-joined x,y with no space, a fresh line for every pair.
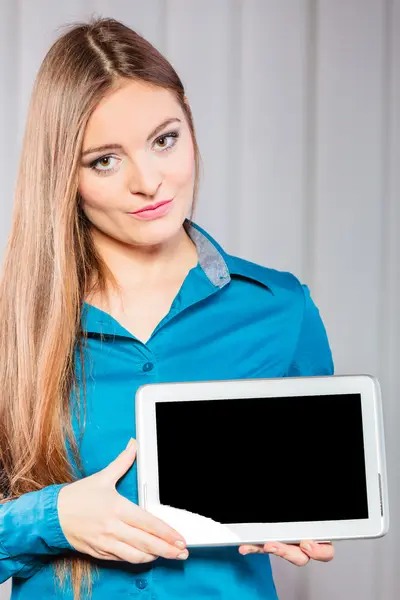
219,266
210,254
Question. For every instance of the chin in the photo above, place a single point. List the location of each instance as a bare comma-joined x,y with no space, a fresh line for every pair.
157,231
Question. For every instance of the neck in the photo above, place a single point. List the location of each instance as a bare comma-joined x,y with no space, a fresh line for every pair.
136,265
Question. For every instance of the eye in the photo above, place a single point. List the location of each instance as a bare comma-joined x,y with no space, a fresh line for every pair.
103,164
167,140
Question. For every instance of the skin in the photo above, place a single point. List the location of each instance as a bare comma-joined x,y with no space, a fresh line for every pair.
141,173
150,258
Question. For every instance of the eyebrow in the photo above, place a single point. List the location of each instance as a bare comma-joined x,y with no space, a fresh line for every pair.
112,146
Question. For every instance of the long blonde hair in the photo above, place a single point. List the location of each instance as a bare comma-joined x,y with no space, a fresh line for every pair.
51,263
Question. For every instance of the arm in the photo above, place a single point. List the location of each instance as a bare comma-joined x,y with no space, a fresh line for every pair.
38,525
312,355
29,531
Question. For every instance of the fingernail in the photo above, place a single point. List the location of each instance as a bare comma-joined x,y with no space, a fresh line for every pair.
183,555
307,547
272,550
130,444
180,544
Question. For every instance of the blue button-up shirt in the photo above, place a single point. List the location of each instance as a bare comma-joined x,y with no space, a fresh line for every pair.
231,319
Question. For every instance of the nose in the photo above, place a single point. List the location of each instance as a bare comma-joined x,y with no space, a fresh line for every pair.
144,177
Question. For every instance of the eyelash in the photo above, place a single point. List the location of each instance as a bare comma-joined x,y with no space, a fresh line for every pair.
171,134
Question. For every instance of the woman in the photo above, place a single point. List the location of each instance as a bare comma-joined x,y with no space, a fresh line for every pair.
106,286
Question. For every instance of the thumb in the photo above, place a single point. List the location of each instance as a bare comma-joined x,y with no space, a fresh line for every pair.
120,465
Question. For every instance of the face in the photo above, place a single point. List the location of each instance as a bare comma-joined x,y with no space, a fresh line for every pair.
133,159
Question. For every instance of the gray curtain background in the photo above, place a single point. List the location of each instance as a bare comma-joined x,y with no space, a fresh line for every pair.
296,104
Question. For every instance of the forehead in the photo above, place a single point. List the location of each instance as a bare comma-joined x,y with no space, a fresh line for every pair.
133,110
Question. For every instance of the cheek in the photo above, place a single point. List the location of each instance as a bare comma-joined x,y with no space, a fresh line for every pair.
182,168
96,193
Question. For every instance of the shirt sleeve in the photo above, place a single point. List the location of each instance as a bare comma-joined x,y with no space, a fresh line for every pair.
312,355
30,531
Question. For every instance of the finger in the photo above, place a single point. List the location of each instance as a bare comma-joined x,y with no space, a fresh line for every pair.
289,552
146,542
125,552
322,552
120,465
251,549
103,555
135,516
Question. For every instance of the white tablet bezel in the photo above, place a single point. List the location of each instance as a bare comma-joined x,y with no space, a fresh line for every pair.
374,449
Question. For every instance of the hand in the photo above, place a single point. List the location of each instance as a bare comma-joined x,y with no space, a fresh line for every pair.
297,554
99,521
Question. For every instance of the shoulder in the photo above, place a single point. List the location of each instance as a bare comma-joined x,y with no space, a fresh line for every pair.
293,309
287,301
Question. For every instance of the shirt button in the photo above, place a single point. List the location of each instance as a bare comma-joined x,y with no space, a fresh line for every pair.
141,584
148,367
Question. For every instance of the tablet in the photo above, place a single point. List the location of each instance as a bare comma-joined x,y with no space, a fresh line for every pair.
252,461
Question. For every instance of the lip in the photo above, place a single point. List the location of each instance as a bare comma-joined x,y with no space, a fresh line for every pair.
153,211
150,207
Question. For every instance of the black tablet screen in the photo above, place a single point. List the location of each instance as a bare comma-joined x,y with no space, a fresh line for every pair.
264,460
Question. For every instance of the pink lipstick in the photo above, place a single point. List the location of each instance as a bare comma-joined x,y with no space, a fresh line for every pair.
153,211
